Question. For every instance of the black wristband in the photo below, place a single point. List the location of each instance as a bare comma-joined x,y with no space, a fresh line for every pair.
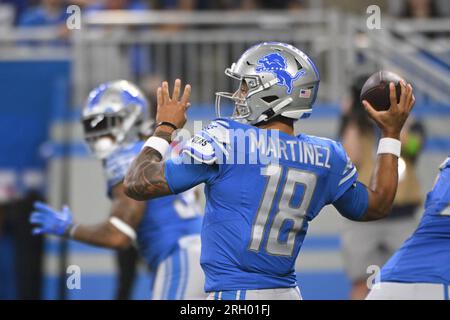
165,123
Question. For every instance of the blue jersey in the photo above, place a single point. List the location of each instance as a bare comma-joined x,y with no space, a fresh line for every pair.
265,188
165,220
425,256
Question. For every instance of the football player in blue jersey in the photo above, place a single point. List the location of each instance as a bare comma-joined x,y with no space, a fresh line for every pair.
420,269
263,183
165,230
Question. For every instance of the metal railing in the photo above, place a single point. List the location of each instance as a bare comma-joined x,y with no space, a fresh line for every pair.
37,43
195,46
198,46
417,49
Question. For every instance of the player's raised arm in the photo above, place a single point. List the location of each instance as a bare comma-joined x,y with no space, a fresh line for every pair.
374,202
145,178
383,183
117,232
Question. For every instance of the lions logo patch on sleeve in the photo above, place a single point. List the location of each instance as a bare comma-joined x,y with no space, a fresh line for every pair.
208,144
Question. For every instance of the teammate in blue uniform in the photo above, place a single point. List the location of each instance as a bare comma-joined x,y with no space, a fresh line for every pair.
165,230
263,183
420,269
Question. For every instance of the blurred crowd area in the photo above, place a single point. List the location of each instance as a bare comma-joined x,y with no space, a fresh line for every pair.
24,173
53,12
145,57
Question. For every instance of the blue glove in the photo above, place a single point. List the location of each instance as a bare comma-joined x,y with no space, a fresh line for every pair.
49,220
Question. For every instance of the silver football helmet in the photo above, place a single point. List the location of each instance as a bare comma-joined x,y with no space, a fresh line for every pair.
115,113
281,80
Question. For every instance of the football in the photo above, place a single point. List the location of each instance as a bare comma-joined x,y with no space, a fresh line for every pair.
376,89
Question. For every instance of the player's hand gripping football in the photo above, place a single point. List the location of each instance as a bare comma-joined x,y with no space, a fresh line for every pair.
392,120
171,108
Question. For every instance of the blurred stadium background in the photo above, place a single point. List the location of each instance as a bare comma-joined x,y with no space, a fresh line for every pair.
46,71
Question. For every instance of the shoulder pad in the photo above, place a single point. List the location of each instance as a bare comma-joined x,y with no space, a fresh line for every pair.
218,130
118,163
445,164
209,143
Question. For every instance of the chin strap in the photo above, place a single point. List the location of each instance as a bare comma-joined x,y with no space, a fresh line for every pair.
268,114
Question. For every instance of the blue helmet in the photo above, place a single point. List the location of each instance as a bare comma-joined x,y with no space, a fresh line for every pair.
115,112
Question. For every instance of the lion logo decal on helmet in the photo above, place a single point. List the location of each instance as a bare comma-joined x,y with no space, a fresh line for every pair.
276,64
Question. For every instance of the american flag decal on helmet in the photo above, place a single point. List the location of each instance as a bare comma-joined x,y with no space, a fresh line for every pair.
305,93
